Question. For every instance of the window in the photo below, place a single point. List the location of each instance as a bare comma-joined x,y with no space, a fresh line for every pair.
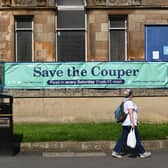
71,31
71,19
23,38
70,2
118,38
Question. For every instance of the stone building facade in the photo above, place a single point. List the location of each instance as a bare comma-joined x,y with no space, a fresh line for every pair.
48,37
137,13
43,12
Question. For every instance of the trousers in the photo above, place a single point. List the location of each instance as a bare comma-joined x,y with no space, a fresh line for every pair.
122,140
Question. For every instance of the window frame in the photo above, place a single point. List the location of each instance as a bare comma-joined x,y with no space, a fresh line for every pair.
84,2
72,8
125,29
23,29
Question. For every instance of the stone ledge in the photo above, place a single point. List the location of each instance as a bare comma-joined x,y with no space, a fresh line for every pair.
44,93
89,146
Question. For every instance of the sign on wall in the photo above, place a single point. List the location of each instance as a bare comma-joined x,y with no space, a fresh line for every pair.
85,75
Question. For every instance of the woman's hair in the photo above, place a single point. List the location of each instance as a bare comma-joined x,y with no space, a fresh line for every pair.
128,93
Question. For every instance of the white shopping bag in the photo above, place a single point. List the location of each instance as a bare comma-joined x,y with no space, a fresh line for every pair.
131,139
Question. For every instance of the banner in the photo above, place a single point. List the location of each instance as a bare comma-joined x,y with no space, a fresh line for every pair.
85,75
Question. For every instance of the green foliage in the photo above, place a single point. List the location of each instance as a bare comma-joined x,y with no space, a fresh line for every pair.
83,132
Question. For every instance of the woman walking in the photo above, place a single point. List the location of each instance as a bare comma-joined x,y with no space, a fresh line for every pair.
130,108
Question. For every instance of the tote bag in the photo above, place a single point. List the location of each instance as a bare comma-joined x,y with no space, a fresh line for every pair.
131,139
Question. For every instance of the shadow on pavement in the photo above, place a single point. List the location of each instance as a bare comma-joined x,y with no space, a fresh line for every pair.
17,141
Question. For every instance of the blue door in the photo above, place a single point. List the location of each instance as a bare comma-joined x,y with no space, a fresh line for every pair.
156,43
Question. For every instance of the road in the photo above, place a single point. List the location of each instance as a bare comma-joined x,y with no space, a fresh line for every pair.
159,159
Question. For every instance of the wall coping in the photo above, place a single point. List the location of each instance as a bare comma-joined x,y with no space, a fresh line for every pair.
66,93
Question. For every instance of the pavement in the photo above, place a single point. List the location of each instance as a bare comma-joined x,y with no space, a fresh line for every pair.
88,146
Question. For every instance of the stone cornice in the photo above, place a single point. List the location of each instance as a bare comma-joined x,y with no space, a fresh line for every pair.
128,7
58,93
26,3
27,8
124,4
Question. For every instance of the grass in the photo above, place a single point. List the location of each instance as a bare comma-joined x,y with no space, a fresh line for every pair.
83,132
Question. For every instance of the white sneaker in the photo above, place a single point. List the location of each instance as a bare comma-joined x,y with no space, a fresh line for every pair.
116,155
145,155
